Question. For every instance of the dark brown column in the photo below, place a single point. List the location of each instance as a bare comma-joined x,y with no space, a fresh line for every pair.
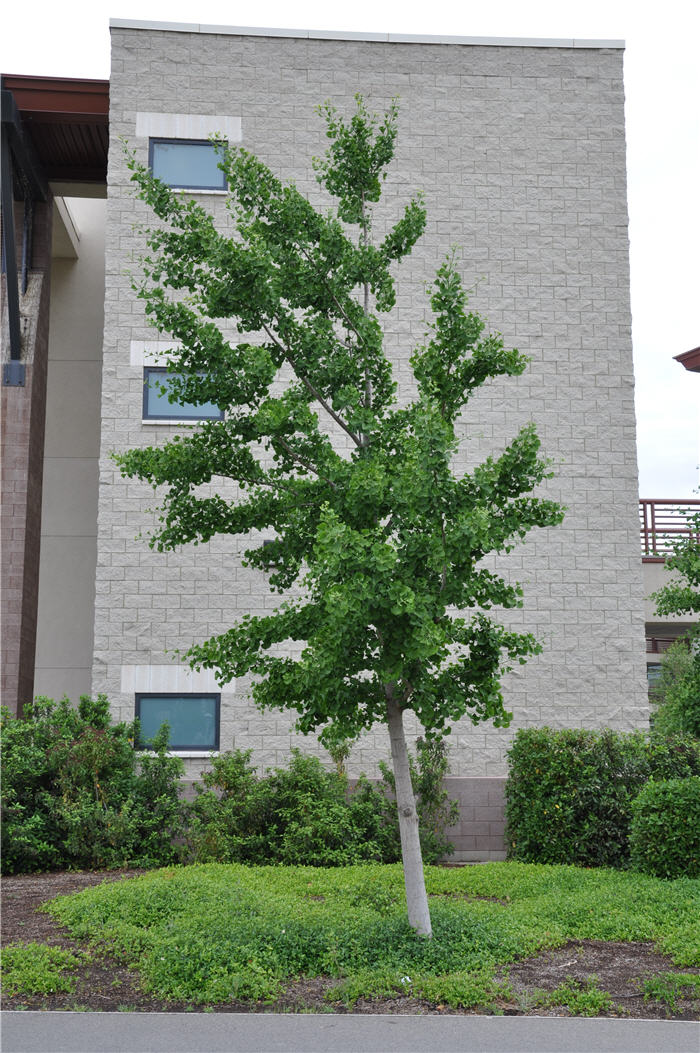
22,424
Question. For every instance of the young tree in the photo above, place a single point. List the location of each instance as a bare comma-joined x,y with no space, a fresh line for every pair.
368,516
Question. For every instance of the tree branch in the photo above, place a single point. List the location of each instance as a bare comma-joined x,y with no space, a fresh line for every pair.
443,576
302,460
310,387
368,379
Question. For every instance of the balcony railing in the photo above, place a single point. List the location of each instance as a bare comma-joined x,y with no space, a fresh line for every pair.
664,522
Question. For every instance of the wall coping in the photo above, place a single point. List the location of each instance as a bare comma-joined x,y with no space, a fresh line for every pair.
381,38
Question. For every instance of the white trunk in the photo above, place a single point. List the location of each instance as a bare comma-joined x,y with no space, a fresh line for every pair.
416,897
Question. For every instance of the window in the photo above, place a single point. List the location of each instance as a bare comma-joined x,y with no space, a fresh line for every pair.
188,163
653,676
193,719
156,405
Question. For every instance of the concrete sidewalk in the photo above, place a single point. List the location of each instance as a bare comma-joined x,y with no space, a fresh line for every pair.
313,1033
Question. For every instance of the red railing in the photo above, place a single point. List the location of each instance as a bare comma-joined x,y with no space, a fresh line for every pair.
662,522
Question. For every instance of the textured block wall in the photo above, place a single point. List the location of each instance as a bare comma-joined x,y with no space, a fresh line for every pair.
520,153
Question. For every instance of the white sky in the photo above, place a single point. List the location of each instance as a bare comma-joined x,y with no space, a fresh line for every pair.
662,88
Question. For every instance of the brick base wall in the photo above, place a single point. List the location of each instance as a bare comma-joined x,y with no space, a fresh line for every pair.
479,834
22,423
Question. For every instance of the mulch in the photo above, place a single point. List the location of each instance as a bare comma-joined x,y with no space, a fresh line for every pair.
104,984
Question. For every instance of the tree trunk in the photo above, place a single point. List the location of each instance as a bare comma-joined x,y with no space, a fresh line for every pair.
416,897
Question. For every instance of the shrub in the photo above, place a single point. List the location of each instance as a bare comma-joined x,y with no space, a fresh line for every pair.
665,828
677,695
300,814
569,793
306,815
75,794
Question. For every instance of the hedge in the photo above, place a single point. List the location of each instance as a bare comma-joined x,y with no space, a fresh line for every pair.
569,793
665,828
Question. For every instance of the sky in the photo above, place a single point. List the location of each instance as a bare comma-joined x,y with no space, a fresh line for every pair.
662,93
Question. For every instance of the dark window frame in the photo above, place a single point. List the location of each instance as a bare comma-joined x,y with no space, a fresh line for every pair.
145,415
156,140
183,748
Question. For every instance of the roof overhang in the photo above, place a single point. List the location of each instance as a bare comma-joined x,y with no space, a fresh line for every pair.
65,122
690,359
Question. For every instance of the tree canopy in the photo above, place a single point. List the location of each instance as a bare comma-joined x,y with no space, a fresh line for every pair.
370,531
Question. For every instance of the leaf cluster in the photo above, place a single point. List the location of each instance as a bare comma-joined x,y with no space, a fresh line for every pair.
677,694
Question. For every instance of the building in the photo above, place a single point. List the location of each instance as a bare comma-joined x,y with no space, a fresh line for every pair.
518,146
664,522
55,135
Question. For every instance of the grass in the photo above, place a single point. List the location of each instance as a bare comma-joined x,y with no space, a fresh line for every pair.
215,932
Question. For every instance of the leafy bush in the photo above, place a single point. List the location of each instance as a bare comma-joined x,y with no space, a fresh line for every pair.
671,988
677,695
300,814
306,815
580,998
665,829
569,793
75,794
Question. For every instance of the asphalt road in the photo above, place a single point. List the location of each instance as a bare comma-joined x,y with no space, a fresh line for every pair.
318,1033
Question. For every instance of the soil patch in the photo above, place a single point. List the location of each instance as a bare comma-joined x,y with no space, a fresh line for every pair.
105,985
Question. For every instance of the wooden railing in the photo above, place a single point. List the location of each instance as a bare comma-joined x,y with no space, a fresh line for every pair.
662,522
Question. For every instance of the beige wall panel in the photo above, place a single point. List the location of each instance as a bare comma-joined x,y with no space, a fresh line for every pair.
66,599
77,287
72,425
69,508
56,682
70,497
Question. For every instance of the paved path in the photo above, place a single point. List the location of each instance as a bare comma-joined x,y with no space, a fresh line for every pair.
309,1033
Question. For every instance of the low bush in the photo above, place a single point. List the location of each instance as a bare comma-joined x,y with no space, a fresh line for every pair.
569,793
75,794
665,829
306,815
300,814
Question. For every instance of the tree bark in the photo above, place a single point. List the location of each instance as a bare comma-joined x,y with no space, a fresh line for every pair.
414,879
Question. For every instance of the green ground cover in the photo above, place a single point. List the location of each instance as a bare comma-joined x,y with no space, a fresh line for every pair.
215,932
36,968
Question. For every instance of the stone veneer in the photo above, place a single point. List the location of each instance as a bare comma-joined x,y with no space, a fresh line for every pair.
519,149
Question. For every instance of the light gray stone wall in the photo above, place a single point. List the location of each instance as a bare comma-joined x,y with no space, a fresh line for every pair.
520,152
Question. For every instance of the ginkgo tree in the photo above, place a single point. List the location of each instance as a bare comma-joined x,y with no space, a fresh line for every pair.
373,537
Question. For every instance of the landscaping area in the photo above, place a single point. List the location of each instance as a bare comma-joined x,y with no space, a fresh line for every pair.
508,938
281,891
